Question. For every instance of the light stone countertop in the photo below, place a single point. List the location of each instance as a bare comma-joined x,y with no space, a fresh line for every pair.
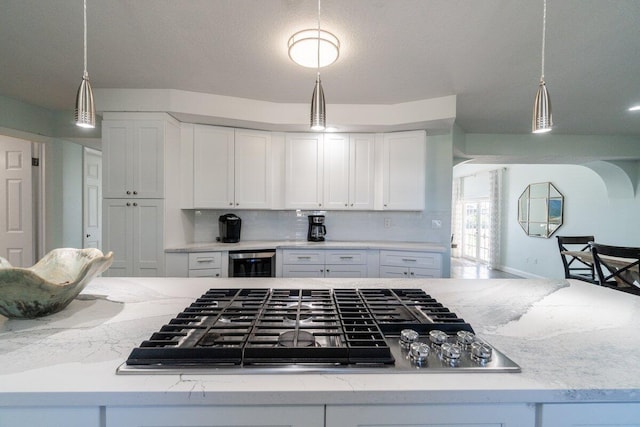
575,342
299,244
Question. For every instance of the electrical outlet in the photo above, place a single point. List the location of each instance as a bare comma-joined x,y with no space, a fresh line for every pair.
387,223
436,223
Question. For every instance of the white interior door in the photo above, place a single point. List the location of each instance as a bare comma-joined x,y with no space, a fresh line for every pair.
16,221
92,199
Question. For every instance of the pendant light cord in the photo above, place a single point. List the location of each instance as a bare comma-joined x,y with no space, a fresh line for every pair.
85,38
318,69
544,31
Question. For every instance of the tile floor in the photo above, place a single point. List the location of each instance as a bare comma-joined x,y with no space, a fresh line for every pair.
465,269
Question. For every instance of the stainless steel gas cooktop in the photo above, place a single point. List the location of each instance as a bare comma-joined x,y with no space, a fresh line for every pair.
315,330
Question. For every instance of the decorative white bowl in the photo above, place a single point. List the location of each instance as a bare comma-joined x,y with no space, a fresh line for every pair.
51,284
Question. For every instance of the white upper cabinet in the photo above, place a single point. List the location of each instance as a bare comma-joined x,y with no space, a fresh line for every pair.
134,151
231,168
303,171
252,169
349,171
403,170
213,167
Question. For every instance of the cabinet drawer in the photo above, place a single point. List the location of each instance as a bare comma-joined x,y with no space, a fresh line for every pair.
205,272
411,259
302,257
202,260
346,257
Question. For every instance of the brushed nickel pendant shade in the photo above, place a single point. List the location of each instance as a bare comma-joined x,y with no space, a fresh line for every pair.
85,115
318,114
318,106
542,118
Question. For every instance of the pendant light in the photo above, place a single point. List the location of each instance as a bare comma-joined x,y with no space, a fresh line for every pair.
85,109
542,118
318,109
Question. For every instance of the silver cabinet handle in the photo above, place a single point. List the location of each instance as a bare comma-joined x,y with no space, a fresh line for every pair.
346,257
409,260
205,260
128,192
135,204
304,257
128,204
135,192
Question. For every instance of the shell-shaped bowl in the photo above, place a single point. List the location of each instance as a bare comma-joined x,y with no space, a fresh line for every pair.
51,284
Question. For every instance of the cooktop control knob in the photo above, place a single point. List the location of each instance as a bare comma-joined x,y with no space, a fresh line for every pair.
407,337
481,352
465,339
419,353
450,352
437,338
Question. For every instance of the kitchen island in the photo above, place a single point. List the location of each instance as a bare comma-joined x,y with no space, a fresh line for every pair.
577,345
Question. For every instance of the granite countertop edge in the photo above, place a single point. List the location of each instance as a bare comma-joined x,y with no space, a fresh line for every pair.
302,244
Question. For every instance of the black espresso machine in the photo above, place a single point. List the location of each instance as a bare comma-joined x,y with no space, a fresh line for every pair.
229,225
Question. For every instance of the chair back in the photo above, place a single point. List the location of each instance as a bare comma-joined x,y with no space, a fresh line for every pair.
617,267
574,267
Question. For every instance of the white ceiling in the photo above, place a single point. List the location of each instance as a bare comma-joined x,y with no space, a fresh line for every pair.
487,52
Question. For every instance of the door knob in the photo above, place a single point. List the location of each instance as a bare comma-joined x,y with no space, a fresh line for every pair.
88,235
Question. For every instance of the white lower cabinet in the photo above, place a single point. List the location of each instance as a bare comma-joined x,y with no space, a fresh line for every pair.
400,264
590,415
216,416
324,263
43,416
517,415
205,264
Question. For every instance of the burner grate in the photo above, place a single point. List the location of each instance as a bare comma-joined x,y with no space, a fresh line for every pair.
293,326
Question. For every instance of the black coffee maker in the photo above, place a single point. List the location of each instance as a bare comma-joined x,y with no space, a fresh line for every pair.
229,226
317,230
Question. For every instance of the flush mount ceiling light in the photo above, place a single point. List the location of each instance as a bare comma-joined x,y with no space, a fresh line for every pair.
304,45
542,118
85,109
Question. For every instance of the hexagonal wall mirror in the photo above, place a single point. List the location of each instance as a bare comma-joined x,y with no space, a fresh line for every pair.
540,209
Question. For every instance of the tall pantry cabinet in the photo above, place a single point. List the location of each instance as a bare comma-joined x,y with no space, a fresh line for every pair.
139,152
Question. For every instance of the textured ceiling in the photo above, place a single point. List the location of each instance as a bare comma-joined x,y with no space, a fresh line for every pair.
487,52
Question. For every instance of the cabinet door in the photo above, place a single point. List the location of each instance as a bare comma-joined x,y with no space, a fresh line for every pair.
213,167
148,244
302,270
345,270
252,169
516,415
404,160
424,273
303,171
42,416
133,153
361,171
133,230
216,416
117,215
394,272
590,414
336,171
148,159
117,137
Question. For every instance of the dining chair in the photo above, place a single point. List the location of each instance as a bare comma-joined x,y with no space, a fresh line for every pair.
617,267
574,267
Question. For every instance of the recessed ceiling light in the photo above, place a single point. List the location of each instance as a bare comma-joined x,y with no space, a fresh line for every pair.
635,108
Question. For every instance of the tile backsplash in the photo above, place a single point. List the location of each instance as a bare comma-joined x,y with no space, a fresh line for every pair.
341,225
